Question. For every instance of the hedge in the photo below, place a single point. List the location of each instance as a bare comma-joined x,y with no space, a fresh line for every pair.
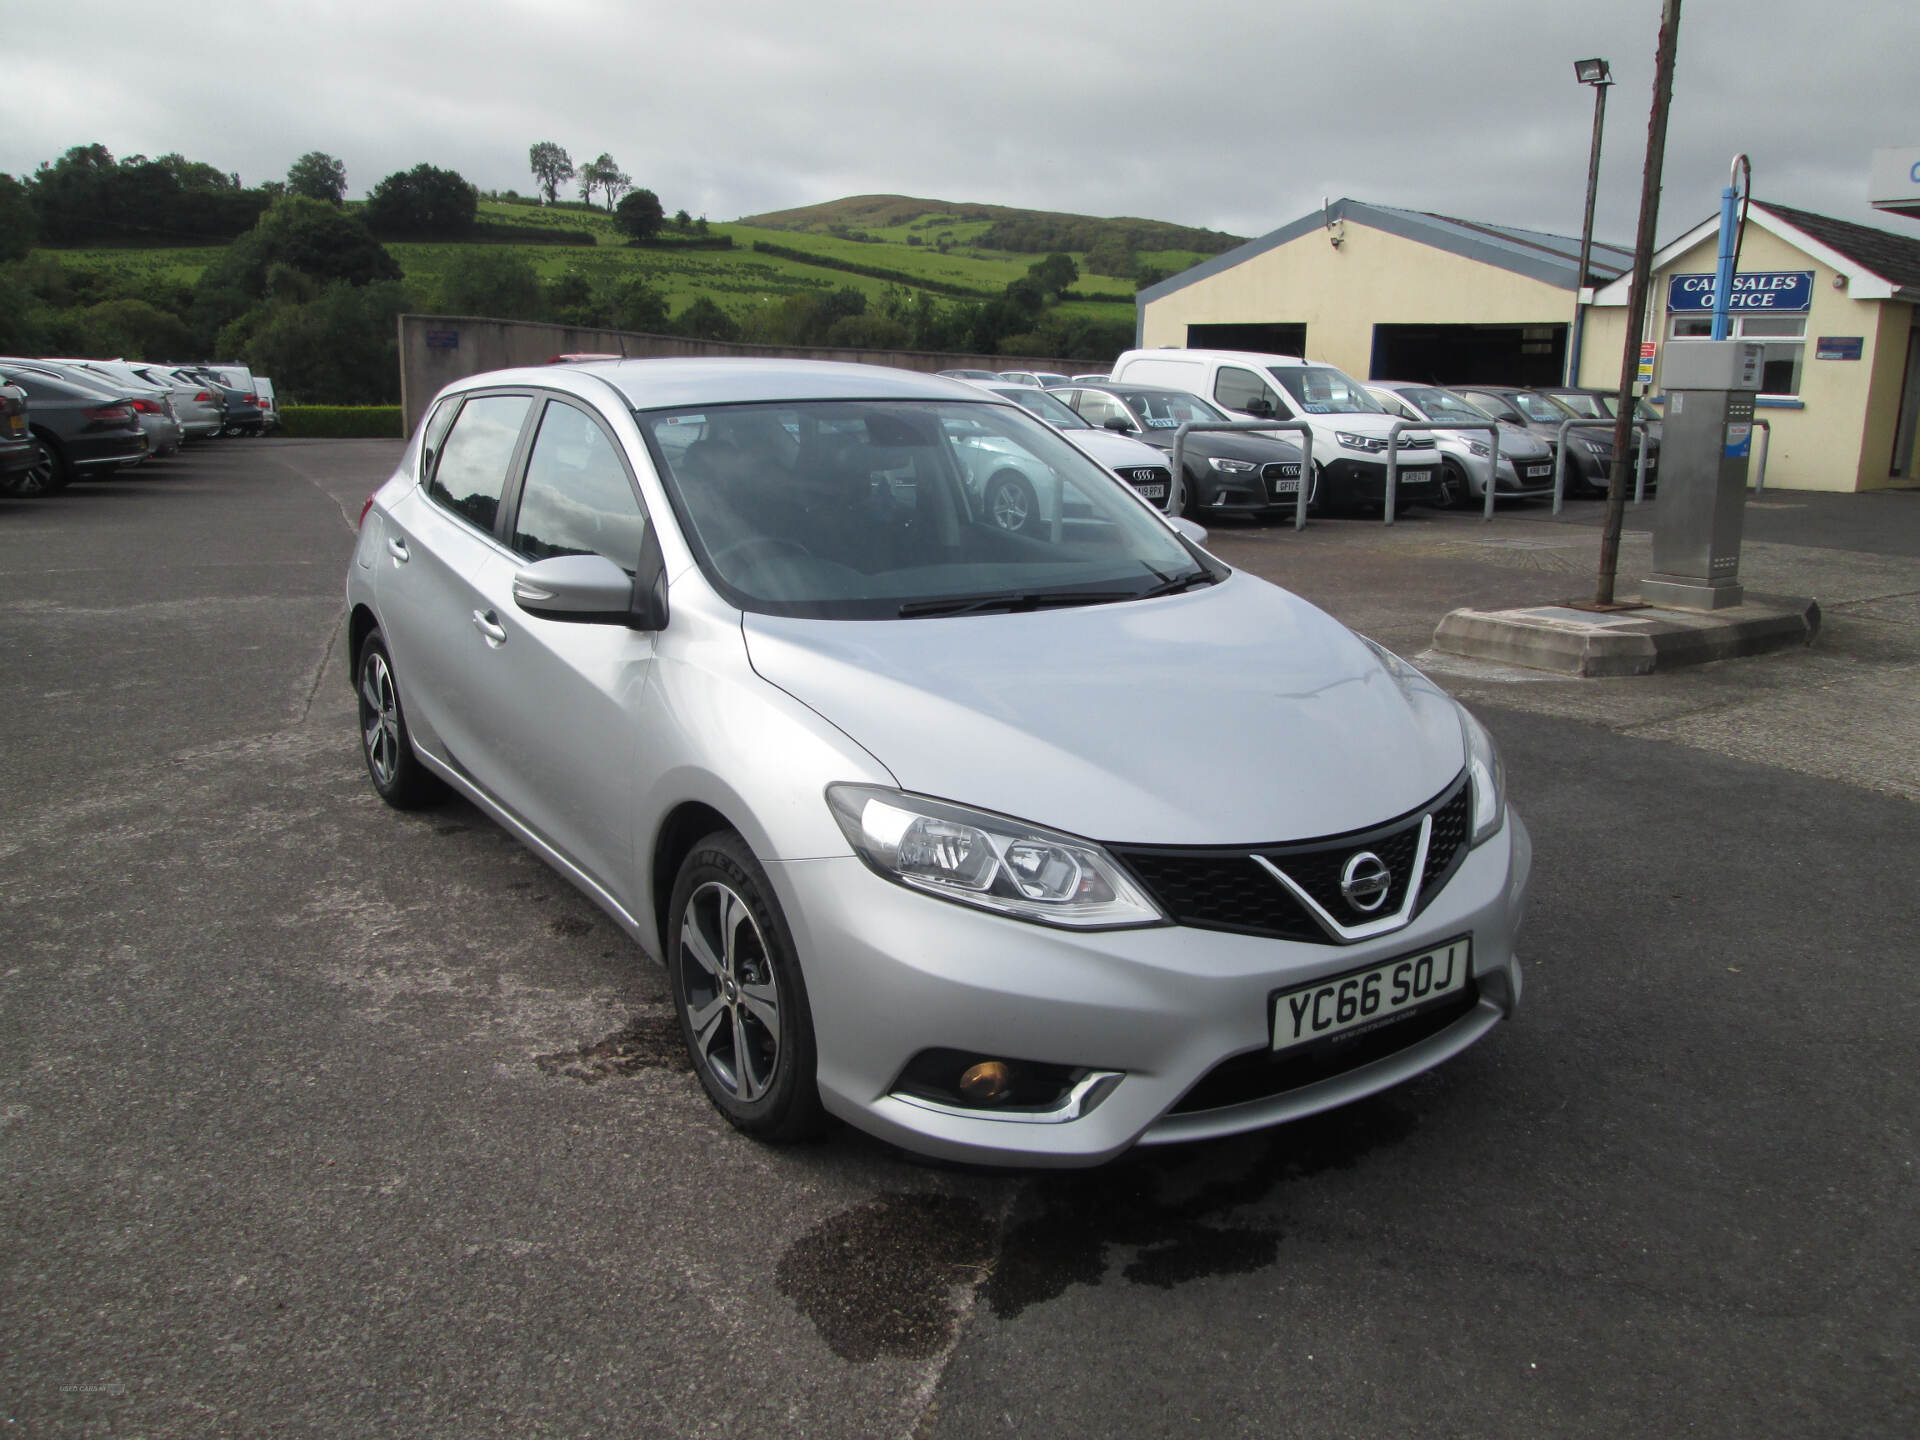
873,272
342,422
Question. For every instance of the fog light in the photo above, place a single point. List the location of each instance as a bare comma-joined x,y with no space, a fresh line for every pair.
987,1083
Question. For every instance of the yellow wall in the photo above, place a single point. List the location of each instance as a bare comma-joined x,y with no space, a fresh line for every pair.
1843,437
1341,294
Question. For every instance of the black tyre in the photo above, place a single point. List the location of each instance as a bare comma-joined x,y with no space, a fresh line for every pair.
1454,492
48,473
1010,501
739,994
385,744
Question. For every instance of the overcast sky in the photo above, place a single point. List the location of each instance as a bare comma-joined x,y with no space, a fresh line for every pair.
1235,114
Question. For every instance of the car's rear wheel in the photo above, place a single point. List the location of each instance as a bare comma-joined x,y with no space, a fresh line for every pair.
48,473
385,744
738,991
1010,501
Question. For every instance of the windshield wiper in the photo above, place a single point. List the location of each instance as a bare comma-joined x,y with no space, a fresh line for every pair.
1014,601
1178,583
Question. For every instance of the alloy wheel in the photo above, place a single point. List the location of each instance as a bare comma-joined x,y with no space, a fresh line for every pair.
380,718
732,996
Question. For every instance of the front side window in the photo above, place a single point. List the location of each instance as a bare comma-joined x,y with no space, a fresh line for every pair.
472,468
1170,409
872,510
1237,389
1495,405
1098,408
1587,407
576,499
1542,409
1440,405
1044,403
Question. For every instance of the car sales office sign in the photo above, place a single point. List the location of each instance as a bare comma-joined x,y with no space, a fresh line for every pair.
1783,292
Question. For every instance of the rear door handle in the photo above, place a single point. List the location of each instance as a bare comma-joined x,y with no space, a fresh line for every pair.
488,624
398,549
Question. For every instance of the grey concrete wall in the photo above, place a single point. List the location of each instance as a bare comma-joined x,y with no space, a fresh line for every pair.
436,350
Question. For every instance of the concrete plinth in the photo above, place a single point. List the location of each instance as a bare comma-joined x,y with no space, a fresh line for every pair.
1632,642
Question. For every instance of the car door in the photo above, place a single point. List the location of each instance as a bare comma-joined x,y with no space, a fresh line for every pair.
431,582
561,696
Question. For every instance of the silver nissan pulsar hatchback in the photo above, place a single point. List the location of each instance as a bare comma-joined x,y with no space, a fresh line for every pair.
1018,847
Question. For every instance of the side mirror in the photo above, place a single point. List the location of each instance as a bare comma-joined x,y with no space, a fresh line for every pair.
1119,424
590,589
1194,532
1260,407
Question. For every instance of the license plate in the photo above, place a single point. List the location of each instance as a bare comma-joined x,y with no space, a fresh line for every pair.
1374,996
1153,492
1416,477
1538,471
1287,487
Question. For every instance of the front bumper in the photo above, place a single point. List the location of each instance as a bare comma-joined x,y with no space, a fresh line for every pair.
1346,481
891,973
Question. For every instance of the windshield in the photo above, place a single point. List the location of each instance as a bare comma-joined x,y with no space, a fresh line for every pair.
1610,408
1047,406
1323,390
1441,405
1168,409
1541,407
869,510
1587,407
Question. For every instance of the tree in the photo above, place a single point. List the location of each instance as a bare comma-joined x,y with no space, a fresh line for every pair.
423,201
552,167
704,320
341,349
615,181
639,214
16,220
318,176
682,221
491,282
1054,274
322,241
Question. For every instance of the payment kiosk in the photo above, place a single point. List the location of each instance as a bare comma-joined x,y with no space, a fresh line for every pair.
1709,385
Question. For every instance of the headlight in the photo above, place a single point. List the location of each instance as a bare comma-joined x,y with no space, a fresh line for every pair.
1359,442
990,861
1479,448
1232,467
1486,775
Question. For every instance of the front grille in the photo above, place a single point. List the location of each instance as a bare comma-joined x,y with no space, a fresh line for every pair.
1281,470
1262,1074
1224,888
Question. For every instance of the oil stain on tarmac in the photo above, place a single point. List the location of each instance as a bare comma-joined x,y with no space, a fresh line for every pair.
648,1042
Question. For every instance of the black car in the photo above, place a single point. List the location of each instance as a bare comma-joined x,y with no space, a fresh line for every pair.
1225,473
1589,451
243,415
78,433
18,449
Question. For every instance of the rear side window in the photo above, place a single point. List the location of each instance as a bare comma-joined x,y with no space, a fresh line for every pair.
473,464
577,499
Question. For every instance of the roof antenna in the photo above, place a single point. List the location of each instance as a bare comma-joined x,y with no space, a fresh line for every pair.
1336,224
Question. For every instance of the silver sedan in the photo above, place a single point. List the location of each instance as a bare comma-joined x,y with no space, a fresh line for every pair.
928,820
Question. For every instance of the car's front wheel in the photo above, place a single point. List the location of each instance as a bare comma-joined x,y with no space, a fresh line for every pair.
397,774
739,994
1010,500
1454,491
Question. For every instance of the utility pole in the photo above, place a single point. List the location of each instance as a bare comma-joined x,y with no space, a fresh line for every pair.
1637,301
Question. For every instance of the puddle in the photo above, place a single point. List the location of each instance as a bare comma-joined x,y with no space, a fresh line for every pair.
880,1278
649,1042
1171,1213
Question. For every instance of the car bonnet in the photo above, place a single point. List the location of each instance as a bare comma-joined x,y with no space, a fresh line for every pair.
1236,713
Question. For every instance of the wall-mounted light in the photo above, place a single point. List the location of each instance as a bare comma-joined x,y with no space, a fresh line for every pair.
1839,282
1336,224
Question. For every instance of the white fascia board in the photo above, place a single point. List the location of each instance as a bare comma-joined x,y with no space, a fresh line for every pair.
1862,284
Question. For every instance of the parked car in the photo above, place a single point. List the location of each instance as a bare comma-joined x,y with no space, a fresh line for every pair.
269,408
1225,473
988,376
930,823
194,406
1349,426
1604,405
1140,465
1041,379
18,449
1589,452
79,432
149,402
1526,461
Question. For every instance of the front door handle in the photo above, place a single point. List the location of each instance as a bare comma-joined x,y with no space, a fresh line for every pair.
397,548
488,624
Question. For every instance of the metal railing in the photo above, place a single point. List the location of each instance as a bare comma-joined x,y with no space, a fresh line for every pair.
1560,457
1760,484
1305,483
1393,457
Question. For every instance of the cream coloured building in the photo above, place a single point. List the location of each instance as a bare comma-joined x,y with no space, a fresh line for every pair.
1395,294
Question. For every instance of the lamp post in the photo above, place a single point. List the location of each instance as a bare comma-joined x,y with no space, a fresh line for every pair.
1596,74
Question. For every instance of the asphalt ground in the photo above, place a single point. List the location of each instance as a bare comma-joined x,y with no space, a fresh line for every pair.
316,1118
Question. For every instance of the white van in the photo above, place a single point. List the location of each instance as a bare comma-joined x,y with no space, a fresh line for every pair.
1350,427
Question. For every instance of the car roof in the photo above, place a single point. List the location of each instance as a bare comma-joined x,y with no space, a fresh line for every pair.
666,384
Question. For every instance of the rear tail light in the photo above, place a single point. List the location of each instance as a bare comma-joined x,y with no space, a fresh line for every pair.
205,397
146,407
364,508
109,414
